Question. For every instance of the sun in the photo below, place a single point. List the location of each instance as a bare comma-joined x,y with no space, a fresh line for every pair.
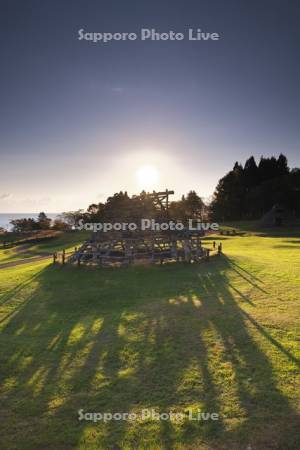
147,176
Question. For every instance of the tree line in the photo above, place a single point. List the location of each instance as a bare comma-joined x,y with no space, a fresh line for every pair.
245,192
249,191
119,207
43,222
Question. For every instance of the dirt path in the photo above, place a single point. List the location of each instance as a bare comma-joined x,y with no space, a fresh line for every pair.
24,261
22,248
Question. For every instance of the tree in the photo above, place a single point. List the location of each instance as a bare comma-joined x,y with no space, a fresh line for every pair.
194,206
60,225
95,212
72,217
117,207
23,225
250,191
44,222
228,199
250,173
190,206
282,165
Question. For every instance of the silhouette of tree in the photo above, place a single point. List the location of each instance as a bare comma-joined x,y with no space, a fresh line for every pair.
250,191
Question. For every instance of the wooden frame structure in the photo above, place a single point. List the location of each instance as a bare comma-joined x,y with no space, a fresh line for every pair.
121,248
161,199
124,251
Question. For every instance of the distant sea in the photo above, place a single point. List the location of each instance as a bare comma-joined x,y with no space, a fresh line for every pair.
6,218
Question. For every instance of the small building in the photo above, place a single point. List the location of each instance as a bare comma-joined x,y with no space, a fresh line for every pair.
274,217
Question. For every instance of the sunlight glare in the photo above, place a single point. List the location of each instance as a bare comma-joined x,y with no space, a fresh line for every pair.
147,176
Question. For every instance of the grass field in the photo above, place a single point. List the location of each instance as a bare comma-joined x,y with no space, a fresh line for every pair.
66,241
218,337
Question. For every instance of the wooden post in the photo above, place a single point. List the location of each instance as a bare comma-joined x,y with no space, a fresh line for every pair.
187,250
174,250
79,261
152,250
63,256
127,251
54,257
199,249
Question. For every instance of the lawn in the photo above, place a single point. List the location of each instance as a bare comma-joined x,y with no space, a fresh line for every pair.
218,337
63,240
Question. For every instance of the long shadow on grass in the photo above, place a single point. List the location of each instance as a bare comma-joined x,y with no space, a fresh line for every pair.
164,338
239,268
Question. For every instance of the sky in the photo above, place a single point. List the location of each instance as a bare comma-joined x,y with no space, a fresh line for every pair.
81,120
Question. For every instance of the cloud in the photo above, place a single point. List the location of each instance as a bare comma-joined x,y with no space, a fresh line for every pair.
45,200
117,90
5,196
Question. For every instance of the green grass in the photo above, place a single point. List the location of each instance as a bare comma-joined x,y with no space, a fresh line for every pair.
219,336
66,241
